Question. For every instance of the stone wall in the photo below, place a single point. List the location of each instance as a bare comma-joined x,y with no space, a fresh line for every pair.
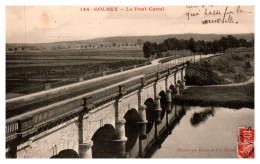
50,143
98,118
126,103
160,86
147,92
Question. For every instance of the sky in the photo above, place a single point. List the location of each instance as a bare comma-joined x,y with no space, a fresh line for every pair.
43,24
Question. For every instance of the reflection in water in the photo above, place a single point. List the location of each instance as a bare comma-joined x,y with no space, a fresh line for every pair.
149,114
200,117
215,138
161,138
186,134
131,134
119,149
131,128
163,102
68,153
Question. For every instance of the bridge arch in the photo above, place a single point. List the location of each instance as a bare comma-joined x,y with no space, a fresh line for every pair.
131,128
103,142
131,116
67,153
65,149
149,114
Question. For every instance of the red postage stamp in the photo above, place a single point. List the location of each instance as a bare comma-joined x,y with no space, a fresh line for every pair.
246,137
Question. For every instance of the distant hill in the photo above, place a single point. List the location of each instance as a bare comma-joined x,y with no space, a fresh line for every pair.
156,38
161,38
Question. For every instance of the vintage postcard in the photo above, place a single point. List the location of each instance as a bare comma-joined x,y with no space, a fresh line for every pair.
130,81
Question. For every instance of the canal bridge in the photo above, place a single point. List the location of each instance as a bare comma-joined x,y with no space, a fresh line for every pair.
81,119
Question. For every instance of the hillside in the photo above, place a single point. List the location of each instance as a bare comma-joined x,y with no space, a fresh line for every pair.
157,38
235,66
161,38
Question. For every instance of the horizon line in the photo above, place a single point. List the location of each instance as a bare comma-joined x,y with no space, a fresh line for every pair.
133,36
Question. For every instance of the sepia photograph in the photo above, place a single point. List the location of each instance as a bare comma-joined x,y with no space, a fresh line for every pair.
127,81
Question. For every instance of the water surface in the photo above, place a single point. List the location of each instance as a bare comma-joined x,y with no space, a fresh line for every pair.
206,132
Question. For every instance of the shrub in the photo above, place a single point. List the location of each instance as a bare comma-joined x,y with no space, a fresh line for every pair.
247,65
237,57
239,77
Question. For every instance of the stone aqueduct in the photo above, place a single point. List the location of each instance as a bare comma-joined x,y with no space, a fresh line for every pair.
45,124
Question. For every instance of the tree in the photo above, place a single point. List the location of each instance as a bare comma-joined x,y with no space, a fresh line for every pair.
209,48
114,44
192,45
202,46
163,47
148,50
139,42
223,44
156,47
242,42
250,43
232,42
181,45
215,46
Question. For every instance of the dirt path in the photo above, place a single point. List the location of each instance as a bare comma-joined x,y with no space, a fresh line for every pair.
251,80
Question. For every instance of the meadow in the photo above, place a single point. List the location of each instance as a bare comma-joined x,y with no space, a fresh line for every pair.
26,71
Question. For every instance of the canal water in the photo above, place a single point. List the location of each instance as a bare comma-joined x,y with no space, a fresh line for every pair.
206,132
184,132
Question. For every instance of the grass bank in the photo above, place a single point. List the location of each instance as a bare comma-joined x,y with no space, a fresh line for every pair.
231,67
225,96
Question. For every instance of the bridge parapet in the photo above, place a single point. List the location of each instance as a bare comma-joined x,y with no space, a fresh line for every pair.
30,122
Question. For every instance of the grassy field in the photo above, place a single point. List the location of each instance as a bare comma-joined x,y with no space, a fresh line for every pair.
34,69
231,67
84,52
225,96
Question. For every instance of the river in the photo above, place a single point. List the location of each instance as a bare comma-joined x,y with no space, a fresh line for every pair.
185,132
203,129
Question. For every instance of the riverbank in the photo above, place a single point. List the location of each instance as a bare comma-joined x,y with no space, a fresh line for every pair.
231,67
237,96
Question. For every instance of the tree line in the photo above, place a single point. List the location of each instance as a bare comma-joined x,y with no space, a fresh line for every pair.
199,46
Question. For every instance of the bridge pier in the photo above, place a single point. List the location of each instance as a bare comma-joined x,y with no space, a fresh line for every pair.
142,114
85,149
169,100
120,139
183,84
177,89
157,109
175,78
183,78
120,131
142,122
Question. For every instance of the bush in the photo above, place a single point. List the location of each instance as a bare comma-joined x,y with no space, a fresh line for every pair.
247,65
237,57
249,55
239,77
